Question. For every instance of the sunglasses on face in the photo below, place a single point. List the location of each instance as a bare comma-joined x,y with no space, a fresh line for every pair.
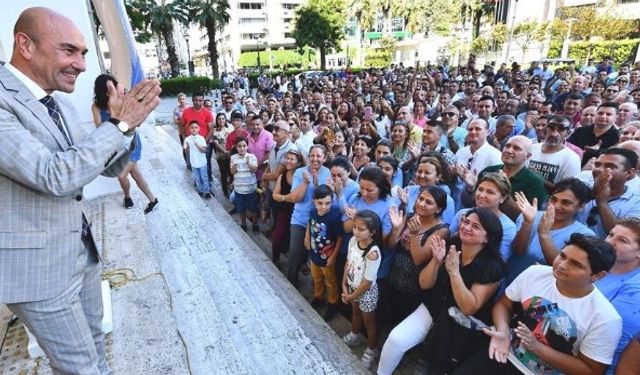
449,114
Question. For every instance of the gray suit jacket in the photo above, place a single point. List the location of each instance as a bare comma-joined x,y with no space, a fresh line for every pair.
41,181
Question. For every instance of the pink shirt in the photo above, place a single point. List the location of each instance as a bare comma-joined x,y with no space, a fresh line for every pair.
261,146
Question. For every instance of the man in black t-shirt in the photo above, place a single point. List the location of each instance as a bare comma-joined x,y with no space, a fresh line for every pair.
603,134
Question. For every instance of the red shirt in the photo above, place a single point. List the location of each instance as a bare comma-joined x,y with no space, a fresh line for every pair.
231,138
202,116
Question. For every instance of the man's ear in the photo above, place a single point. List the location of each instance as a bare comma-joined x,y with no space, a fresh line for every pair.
24,45
598,276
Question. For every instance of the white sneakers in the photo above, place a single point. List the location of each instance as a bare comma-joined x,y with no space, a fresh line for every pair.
353,339
369,356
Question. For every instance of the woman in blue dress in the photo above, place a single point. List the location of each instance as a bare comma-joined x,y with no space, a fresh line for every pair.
100,111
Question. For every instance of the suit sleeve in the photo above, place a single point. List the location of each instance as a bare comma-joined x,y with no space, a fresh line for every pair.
28,160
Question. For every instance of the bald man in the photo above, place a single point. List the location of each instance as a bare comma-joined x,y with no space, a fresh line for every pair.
515,155
49,265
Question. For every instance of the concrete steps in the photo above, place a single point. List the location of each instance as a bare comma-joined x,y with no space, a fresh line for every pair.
230,301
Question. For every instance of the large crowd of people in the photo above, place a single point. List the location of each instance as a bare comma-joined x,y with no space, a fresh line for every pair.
489,214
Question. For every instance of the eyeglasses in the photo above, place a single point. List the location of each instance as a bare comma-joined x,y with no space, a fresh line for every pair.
449,114
592,218
612,90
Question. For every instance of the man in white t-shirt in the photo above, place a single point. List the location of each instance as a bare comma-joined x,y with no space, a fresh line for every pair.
551,160
478,154
563,323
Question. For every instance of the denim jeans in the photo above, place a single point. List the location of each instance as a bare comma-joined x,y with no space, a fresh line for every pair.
201,179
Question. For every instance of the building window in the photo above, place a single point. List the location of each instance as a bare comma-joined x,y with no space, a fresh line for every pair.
287,20
248,21
250,5
351,28
288,35
248,36
397,24
289,6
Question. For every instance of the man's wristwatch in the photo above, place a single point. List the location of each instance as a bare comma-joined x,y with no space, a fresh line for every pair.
121,125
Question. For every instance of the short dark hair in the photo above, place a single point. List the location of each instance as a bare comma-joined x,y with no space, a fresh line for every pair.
322,191
575,97
601,254
236,115
631,158
392,161
375,175
240,139
554,107
439,196
312,117
577,187
197,93
487,97
613,105
342,162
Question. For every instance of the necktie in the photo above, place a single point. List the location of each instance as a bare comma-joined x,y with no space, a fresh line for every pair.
54,112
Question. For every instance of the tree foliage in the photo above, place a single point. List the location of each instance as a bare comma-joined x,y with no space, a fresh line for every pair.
211,15
382,56
159,19
589,23
619,50
320,24
432,16
290,58
527,32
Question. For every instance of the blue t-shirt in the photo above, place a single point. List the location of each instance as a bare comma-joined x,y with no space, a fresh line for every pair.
381,208
412,197
348,191
323,234
508,232
302,209
623,291
628,204
518,263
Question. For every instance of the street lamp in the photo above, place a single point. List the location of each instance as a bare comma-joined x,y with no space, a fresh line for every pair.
257,38
565,44
513,22
186,35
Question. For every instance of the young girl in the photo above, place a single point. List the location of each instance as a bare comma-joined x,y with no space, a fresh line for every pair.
243,169
359,281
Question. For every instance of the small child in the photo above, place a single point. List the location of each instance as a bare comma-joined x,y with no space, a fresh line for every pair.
196,146
359,281
243,168
323,239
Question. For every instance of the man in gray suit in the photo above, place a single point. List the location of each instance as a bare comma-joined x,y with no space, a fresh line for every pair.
49,266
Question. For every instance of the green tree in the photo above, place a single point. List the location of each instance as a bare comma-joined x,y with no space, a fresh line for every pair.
590,23
480,45
320,24
499,35
382,56
474,10
525,33
427,16
364,12
211,15
159,19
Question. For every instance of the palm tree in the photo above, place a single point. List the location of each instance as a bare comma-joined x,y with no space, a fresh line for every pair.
159,18
210,15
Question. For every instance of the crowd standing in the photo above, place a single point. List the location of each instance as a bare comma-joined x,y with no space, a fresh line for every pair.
489,214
